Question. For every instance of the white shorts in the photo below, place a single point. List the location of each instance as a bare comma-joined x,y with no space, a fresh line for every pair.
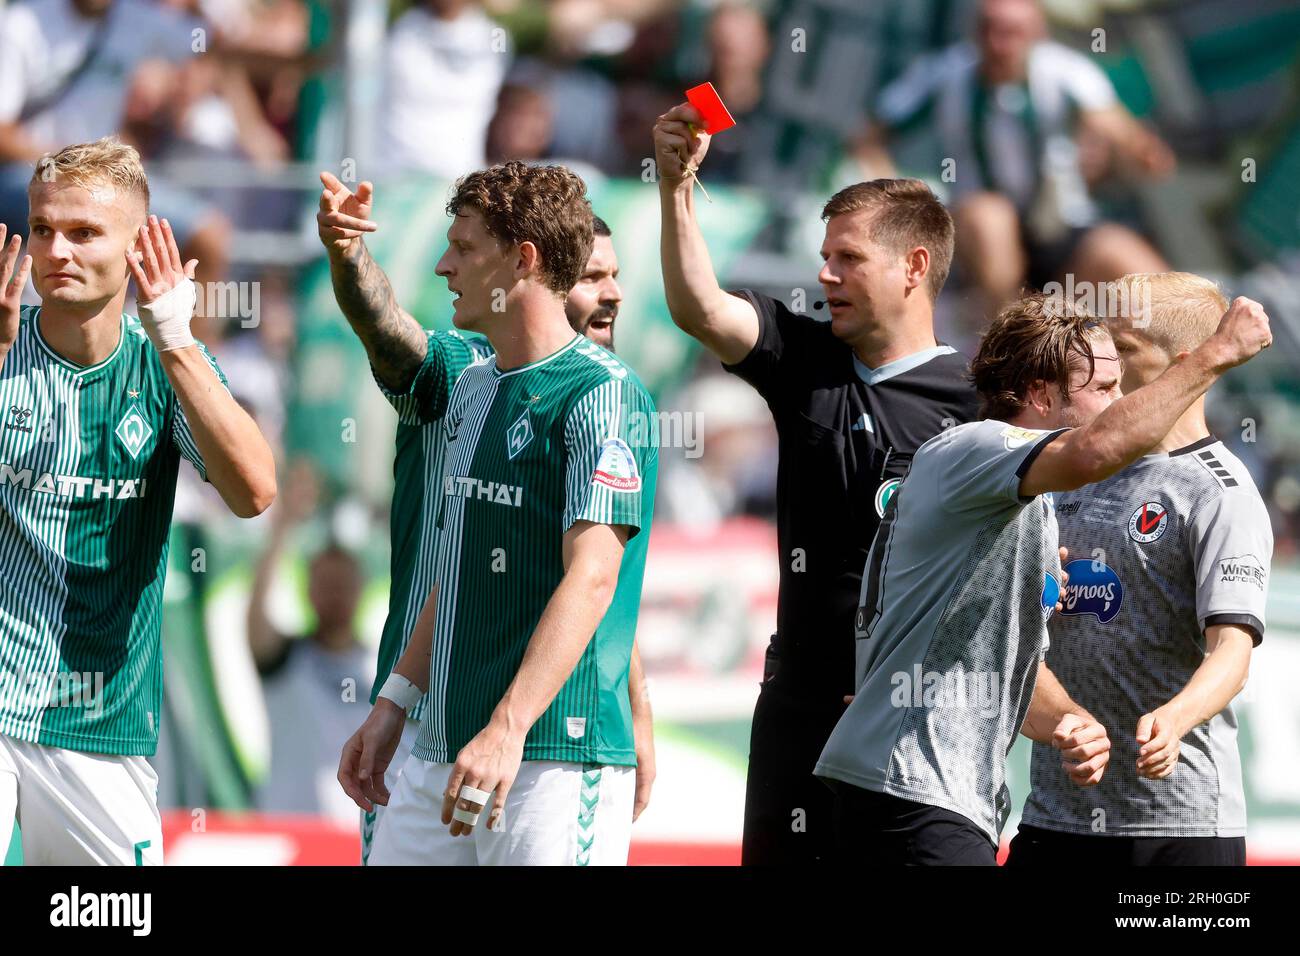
77,808
370,821
557,814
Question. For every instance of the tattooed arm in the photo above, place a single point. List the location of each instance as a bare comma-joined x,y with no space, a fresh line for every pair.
394,341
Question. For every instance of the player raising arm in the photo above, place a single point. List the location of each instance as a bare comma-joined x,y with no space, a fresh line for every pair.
543,514
1184,535
101,408
918,761
852,399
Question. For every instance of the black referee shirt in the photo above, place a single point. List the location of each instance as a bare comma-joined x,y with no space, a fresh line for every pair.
846,436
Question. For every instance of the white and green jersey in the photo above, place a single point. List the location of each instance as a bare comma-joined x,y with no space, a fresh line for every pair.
417,471
88,464
529,452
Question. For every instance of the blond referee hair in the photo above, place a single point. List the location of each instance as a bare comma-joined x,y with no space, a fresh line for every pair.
1176,311
107,163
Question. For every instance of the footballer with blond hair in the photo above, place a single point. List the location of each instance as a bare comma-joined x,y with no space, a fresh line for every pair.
1162,610
99,408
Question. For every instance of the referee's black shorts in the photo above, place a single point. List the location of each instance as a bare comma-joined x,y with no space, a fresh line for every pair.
878,829
789,812
1036,847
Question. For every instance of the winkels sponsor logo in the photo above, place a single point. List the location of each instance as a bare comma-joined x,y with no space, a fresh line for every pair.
1148,523
74,908
1093,588
1246,569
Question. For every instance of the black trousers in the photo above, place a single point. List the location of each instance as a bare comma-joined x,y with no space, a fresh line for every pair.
877,829
1036,847
789,813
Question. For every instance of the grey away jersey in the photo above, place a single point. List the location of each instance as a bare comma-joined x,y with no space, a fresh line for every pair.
1169,546
958,585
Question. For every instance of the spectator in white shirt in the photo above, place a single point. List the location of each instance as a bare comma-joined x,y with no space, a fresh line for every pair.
446,62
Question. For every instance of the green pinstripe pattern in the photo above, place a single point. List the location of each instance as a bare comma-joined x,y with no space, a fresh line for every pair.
417,469
84,522
523,465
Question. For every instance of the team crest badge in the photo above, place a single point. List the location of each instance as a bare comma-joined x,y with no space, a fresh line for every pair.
519,435
1148,522
133,432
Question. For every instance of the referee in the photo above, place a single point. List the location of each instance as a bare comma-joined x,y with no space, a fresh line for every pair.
852,399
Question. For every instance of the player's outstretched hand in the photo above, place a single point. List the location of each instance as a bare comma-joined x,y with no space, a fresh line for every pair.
368,753
156,262
490,763
12,283
1242,333
344,216
1085,749
1160,738
676,145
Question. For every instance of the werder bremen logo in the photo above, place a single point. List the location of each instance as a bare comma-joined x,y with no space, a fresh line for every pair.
520,434
133,431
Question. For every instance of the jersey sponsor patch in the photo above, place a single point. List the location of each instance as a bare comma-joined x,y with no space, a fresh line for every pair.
1013,436
1244,569
884,493
1051,594
1148,523
616,467
1093,588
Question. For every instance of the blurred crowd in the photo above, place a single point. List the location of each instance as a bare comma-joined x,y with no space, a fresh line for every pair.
1035,128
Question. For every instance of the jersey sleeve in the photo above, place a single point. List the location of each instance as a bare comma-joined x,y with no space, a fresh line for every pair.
786,341
425,399
1232,549
182,437
1087,84
611,446
982,464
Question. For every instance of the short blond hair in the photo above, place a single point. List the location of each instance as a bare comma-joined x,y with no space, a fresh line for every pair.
105,162
1176,311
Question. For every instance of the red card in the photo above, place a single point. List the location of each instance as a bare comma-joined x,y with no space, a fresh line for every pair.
706,99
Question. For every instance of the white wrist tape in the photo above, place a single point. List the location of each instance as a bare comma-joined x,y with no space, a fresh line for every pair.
166,319
401,691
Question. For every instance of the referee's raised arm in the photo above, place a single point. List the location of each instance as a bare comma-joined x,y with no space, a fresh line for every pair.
724,324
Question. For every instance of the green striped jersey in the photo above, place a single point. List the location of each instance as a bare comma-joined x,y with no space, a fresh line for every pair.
530,451
417,469
88,464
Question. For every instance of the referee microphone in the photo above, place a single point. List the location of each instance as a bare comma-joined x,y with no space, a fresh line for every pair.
818,304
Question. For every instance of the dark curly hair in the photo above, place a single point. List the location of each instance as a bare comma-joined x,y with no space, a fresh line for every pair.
544,205
1037,338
